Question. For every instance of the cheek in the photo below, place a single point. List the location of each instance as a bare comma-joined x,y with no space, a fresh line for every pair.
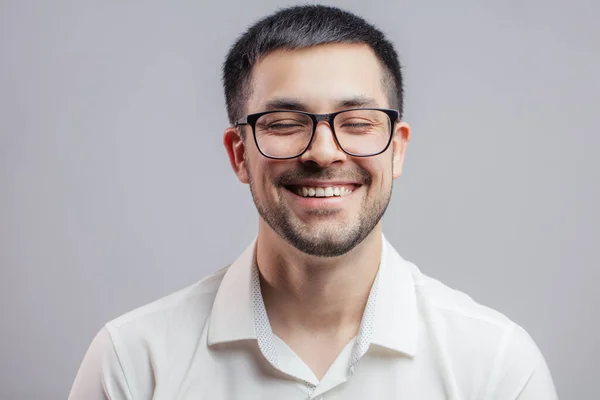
380,171
262,176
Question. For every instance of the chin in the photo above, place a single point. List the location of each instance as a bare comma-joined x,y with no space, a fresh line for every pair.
323,242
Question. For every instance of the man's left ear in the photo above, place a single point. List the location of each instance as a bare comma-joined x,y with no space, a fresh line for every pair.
399,143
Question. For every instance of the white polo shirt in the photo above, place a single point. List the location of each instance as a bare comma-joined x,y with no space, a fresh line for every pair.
418,340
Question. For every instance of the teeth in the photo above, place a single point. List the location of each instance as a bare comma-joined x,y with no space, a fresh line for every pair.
323,191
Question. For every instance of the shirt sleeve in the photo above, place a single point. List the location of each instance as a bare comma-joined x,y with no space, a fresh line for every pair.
539,385
523,373
101,376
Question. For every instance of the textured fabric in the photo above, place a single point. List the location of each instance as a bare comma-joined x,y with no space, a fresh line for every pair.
269,343
266,338
264,333
418,340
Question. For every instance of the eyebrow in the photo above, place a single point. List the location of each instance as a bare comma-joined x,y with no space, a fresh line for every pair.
357,102
285,103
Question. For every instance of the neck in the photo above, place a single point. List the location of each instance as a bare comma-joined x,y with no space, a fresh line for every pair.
324,295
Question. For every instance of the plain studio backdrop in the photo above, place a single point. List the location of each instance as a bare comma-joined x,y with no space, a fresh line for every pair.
115,189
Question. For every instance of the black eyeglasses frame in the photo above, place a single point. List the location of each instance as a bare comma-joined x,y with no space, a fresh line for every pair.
251,119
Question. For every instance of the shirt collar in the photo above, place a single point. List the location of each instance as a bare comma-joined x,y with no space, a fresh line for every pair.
232,316
395,324
395,320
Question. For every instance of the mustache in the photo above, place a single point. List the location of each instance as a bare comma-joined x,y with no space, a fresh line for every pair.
308,171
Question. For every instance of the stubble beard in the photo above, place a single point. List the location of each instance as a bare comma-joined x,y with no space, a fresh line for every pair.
328,241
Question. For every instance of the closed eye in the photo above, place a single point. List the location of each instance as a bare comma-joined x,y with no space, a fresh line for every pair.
283,126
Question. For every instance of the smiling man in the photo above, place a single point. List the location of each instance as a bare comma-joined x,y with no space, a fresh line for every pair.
320,305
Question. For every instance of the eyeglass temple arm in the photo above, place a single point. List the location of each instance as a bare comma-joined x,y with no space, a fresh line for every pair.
242,121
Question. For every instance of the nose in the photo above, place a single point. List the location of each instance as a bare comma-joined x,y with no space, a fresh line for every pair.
323,149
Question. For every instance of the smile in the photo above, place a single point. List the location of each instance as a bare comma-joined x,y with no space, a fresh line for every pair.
322,191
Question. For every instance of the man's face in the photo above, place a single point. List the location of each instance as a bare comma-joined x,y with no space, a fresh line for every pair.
320,79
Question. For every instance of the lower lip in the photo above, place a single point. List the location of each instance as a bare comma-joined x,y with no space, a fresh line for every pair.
319,202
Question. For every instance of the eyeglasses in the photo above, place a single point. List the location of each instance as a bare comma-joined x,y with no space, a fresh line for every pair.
359,132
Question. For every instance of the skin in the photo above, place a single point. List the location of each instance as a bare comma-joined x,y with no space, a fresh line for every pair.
317,261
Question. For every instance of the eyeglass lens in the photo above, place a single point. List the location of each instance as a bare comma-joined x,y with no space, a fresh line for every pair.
285,134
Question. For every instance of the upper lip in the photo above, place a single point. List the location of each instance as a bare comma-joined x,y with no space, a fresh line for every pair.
317,183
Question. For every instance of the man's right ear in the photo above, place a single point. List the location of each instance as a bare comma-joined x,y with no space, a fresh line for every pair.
235,146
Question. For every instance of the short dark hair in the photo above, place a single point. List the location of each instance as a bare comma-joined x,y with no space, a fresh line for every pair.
301,27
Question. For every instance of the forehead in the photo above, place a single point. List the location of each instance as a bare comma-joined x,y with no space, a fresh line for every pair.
318,77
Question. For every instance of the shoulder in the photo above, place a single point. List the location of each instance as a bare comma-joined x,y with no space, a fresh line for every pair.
457,307
193,302
129,352
480,343
179,317
460,318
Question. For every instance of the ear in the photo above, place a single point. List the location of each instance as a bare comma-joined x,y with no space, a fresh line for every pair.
234,145
399,143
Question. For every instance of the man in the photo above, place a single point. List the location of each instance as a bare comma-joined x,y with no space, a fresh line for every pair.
320,305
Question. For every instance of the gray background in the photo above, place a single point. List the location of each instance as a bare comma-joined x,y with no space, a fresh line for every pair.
115,189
